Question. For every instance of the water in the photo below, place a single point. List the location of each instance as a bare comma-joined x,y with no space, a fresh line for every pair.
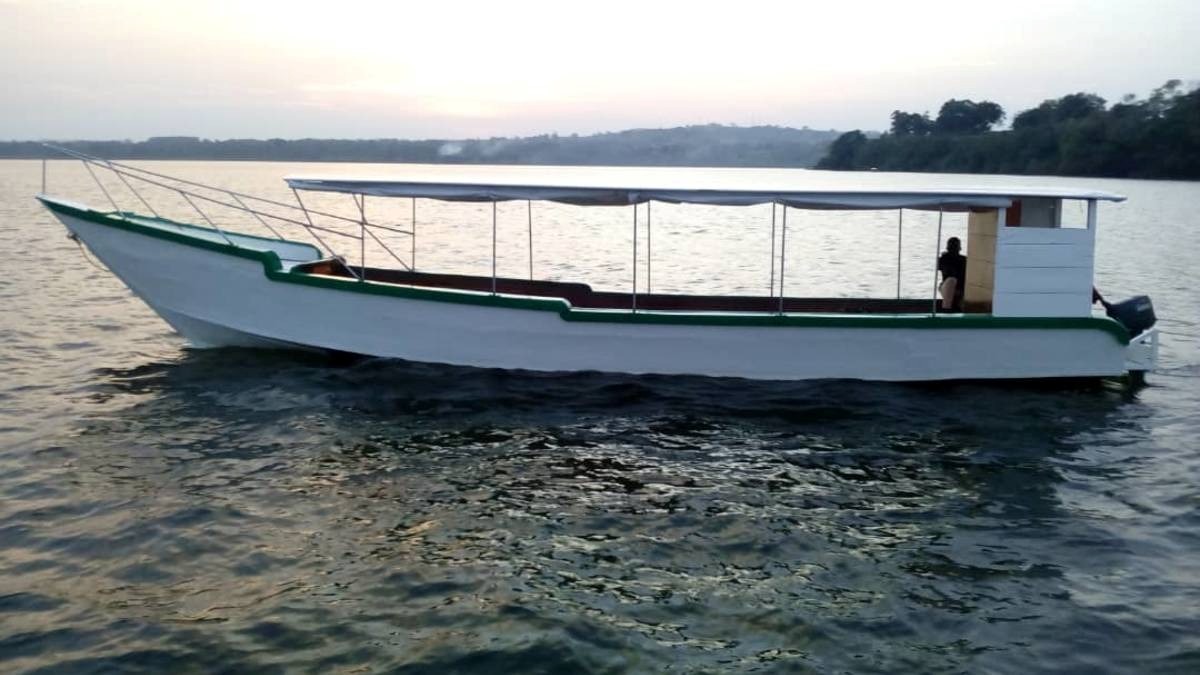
165,509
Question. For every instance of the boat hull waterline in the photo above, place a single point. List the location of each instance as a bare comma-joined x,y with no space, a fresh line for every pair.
216,295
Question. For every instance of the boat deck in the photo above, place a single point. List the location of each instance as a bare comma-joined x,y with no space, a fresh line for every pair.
582,296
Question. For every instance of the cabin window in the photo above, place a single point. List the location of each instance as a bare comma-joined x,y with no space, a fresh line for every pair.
1033,212
1074,214
1043,212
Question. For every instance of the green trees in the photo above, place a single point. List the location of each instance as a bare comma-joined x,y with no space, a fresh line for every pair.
844,151
956,117
967,117
917,143
1077,134
911,124
1051,111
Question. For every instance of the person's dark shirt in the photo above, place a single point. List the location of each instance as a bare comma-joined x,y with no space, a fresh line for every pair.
953,265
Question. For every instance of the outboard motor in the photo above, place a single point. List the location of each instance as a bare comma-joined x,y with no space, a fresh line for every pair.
1136,314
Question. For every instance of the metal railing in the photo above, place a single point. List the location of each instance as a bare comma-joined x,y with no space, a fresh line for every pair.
183,187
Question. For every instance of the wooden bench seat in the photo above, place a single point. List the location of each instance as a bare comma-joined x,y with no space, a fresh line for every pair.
582,296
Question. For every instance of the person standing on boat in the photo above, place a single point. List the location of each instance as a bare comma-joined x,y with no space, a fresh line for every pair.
953,266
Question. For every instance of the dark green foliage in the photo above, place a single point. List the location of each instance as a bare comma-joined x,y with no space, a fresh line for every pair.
911,124
1069,107
967,117
846,148
1158,137
705,145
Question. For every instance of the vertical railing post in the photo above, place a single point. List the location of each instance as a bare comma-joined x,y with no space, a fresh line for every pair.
937,247
782,256
414,235
899,249
529,208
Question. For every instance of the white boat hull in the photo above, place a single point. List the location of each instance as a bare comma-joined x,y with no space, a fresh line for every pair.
215,297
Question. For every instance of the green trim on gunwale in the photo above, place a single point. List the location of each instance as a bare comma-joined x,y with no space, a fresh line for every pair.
273,268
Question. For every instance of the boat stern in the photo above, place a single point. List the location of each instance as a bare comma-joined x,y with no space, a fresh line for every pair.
1141,354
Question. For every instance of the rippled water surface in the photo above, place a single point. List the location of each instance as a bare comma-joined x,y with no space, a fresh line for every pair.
167,509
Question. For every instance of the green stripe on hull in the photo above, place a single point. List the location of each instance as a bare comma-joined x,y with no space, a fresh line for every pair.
273,268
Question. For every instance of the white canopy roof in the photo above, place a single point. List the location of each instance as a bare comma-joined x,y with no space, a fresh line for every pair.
724,188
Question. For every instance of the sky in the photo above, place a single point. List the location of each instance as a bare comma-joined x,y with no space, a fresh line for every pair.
133,69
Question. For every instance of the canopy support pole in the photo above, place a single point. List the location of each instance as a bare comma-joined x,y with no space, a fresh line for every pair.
649,255
493,247
413,255
361,202
937,246
635,230
529,207
899,249
782,257
771,287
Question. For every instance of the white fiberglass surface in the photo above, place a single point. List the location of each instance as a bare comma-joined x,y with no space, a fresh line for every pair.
287,250
1143,244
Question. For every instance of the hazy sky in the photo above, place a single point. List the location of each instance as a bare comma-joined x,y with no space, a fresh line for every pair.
446,69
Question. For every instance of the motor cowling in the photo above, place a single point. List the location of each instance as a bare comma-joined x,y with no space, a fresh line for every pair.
1136,314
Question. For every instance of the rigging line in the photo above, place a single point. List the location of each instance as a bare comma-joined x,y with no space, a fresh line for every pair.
218,202
210,222
318,238
258,217
137,194
389,251
132,172
102,188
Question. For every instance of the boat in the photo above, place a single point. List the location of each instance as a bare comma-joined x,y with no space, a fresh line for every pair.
1027,307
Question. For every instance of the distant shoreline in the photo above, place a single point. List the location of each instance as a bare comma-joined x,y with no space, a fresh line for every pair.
61,158
706,145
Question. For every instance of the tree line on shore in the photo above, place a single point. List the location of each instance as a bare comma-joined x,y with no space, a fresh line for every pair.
698,145
1078,135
